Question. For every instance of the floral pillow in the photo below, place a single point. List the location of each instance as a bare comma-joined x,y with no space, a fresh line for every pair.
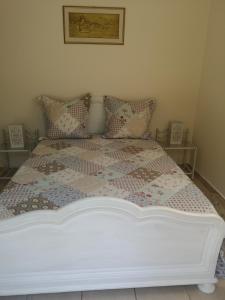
66,119
128,119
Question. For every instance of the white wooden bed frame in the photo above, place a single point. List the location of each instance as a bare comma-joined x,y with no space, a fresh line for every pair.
102,243
106,243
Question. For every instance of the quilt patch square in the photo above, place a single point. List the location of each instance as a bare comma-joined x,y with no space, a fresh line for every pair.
88,155
145,174
118,144
43,184
5,213
87,167
89,184
148,145
149,156
140,198
60,145
128,183
158,195
174,182
87,145
111,190
50,167
79,165
36,161
27,175
33,203
162,164
15,195
125,166
132,149
119,155
190,199
107,174
66,176
63,195
42,150
105,160
72,151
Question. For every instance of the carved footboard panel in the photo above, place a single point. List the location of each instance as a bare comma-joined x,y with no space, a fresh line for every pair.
101,243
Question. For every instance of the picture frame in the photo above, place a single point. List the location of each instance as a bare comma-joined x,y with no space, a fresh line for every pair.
16,136
176,133
93,25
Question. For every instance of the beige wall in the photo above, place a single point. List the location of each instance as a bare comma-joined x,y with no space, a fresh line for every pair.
209,131
162,57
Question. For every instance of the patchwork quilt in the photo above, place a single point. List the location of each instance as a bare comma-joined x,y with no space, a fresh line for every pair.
62,171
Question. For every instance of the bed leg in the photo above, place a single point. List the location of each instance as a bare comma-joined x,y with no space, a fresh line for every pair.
207,288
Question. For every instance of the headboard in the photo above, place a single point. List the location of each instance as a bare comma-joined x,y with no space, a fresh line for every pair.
97,115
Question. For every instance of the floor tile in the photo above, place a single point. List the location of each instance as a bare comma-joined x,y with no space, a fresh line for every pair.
126,294
162,293
58,296
13,298
219,293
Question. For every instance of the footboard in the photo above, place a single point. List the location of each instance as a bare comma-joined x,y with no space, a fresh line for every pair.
101,243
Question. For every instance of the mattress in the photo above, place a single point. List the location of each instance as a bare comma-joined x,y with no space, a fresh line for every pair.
62,171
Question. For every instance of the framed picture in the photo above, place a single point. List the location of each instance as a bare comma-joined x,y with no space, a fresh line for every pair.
93,25
16,136
176,133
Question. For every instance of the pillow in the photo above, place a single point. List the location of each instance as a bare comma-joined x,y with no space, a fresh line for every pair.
66,119
128,119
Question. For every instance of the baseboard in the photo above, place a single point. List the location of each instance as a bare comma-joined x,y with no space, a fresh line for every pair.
210,183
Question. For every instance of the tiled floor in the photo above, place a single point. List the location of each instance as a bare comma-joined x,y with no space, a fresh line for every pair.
162,293
158,293
212,195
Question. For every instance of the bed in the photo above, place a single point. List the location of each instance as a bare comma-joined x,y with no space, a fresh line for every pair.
99,213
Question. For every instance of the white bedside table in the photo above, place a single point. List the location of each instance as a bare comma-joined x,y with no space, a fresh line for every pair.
7,172
162,137
31,138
